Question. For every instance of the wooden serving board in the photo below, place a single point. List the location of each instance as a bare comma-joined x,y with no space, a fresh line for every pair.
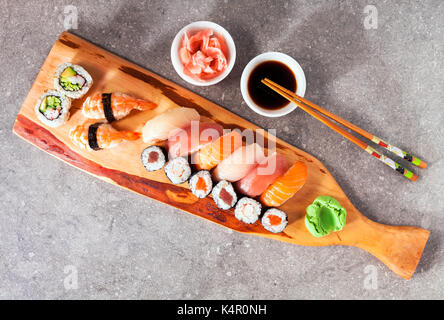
400,248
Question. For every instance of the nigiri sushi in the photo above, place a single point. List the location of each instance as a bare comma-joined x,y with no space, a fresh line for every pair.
99,136
239,163
213,153
258,179
113,106
285,186
182,142
158,128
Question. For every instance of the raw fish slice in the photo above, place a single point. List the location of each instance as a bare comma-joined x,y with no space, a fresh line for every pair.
158,128
258,179
239,163
107,137
285,186
212,154
121,105
182,142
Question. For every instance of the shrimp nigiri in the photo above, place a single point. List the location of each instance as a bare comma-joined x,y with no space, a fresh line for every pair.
113,106
285,186
99,136
258,179
239,163
159,128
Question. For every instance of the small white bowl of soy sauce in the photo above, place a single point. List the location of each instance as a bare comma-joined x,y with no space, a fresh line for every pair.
280,68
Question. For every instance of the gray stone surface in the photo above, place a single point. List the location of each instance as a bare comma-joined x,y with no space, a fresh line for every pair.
388,80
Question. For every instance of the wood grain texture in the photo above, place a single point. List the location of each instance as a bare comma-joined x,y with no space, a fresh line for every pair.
400,248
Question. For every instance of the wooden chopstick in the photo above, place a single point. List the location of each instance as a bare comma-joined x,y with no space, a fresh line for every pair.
301,102
401,153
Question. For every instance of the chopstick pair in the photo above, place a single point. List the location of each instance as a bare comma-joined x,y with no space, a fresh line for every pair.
308,107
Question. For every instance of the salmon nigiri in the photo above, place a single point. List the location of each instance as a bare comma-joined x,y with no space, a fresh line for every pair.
258,179
213,153
99,136
160,127
113,106
239,163
182,142
286,186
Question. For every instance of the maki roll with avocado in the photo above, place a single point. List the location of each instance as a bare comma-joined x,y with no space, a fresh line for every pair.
274,220
153,158
72,80
201,183
247,210
53,108
178,170
224,195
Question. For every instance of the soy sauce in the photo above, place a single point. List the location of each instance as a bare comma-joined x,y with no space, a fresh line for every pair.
277,72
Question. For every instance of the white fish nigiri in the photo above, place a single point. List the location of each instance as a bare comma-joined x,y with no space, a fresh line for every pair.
239,163
158,128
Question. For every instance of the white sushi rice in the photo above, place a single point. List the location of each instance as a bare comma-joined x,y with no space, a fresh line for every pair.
80,71
274,228
178,170
64,113
203,174
247,210
216,194
158,164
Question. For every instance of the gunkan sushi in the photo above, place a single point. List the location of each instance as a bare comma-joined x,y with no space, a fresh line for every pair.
99,136
178,170
247,210
224,195
113,106
53,108
72,80
201,183
153,158
274,220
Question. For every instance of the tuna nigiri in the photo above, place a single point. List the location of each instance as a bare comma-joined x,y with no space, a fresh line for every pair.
258,179
113,106
213,153
158,128
182,142
99,136
239,163
286,186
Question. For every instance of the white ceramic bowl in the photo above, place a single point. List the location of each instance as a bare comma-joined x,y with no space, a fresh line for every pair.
288,61
193,27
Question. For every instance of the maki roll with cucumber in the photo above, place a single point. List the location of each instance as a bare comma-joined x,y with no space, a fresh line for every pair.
201,183
178,170
153,158
247,210
274,220
53,108
224,195
72,80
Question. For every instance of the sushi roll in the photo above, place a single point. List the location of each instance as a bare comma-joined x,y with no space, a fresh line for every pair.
201,183
274,220
153,158
247,210
178,170
72,80
53,108
224,195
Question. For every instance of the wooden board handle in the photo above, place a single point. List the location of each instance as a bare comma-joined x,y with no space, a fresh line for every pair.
399,247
